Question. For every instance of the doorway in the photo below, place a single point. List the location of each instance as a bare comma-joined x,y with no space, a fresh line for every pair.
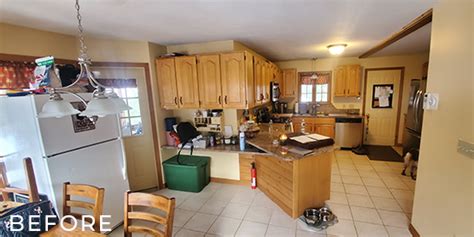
136,123
382,102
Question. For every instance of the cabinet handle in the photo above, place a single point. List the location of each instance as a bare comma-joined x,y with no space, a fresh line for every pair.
176,100
220,99
181,100
225,99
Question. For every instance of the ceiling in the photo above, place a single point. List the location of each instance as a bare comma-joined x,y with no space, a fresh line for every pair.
279,29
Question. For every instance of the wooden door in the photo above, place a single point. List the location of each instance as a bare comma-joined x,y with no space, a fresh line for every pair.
166,76
209,78
340,81
290,82
325,130
233,80
382,122
353,76
187,82
259,80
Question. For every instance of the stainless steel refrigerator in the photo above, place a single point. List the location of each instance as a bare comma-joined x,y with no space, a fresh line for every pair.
414,122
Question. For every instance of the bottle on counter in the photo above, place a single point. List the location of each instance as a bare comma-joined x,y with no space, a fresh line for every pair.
242,140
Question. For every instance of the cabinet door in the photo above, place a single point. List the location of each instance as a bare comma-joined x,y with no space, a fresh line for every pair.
233,80
353,78
166,76
209,78
267,79
340,81
187,82
259,80
290,82
324,129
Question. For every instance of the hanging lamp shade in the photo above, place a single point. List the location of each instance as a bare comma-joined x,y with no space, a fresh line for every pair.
56,107
119,103
100,106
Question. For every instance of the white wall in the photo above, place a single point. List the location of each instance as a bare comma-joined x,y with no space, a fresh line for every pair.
444,194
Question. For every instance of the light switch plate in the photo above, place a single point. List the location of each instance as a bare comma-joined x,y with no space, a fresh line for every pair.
430,101
466,148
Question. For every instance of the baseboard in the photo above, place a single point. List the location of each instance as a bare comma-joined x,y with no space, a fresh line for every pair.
230,181
413,231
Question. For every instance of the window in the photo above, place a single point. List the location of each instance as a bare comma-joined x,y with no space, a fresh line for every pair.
315,90
130,120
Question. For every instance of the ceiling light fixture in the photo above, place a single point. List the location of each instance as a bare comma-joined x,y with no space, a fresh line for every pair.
314,76
104,101
336,49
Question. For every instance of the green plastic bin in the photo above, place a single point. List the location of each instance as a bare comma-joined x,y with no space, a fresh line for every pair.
192,175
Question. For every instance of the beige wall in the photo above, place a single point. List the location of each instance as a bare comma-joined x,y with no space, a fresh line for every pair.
413,69
204,47
445,184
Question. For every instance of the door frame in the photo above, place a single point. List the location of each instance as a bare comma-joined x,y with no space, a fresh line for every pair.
400,95
144,66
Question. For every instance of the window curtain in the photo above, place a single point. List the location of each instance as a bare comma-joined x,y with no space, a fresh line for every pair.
16,75
323,78
119,83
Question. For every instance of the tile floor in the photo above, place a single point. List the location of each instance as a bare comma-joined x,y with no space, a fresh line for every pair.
370,198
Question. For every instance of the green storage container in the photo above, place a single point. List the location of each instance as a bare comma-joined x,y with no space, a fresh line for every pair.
192,175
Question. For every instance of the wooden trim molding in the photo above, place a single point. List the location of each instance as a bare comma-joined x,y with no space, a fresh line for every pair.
414,25
400,96
413,231
230,181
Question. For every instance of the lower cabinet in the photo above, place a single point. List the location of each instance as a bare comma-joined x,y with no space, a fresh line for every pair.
323,126
245,165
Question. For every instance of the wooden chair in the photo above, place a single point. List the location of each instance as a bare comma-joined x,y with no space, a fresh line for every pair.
84,191
32,189
163,204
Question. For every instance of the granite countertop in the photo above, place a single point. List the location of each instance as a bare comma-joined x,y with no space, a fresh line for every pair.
223,148
263,141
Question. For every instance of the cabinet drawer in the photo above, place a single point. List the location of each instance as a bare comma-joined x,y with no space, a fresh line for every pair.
324,121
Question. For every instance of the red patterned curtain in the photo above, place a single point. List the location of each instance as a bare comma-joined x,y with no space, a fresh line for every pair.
322,78
16,75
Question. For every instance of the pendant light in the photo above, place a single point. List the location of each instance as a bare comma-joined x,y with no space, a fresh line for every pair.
101,104
314,76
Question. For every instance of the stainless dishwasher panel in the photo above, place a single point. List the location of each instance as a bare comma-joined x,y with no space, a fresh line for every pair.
348,132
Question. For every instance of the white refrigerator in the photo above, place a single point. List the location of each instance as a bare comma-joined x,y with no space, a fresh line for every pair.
63,151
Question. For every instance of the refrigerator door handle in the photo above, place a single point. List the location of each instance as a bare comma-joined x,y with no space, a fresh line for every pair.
415,107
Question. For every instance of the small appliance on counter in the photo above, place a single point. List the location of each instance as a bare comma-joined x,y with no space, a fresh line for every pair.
280,107
263,115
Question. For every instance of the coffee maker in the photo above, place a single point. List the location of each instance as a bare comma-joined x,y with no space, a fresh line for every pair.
279,107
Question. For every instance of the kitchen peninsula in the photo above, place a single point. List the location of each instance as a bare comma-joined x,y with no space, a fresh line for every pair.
294,182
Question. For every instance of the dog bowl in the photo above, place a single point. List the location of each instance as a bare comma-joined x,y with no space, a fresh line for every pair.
312,216
326,215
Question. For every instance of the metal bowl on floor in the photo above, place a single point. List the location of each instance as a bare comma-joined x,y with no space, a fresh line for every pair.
326,215
312,216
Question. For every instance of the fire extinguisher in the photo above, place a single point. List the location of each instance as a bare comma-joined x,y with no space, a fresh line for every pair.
253,173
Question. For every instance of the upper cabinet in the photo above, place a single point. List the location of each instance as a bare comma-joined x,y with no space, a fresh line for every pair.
209,80
347,80
166,76
234,72
290,82
259,78
187,82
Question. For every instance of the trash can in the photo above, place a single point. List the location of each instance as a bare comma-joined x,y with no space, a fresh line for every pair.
192,175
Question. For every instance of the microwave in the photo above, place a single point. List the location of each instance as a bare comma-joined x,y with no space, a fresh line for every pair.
274,91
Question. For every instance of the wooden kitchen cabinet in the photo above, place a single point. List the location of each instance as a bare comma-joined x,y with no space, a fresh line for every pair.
347,80
290,82
209,80
267,79
237,79
325,130
167,89
245,165
187,82
259,65
323,126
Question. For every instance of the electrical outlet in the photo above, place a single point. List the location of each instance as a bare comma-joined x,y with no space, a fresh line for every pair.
430,101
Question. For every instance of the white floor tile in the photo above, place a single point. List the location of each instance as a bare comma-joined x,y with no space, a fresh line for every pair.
235,210
387,204
406,205
342,228
351,180
302,226
336,178
368,174
370,230
181,216
200,222
365,214
276,231
348,171
214,207
341,211
356,189
396,219
251,229
259,214
359,200
337,197
193,204
373,182
337,187
189,233
379,192
225,226
402,194
281,219
302,233
398,232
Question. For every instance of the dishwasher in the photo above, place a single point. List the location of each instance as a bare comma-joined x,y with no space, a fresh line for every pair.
348,132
